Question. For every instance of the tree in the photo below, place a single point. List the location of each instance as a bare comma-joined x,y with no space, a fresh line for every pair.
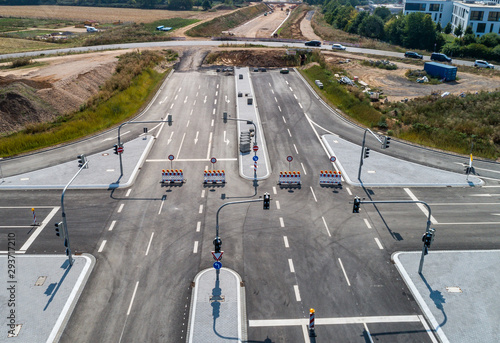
180,5
394,30
419,31
490,40
383,12
343,17
468,30
353,26
438,27
372,27
447,28
206,5
458,31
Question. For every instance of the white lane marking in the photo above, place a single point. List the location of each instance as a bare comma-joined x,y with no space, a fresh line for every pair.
312,191
170,138
343,270
305,332
326,226
300,105
198,227
217,86
282,223
213,112
420,206
128,192
194,160
304,169
285,238
290,264
367,223
274,190
149,244
295,148
102,246
283,119
112,225
194,103
368,333
161,205
289,133
270,84
180,146
187,125
272,91
39,229
277,204
295,97
196,138
195,248
279,108
217,92
470,223
334,321
120,208
348,190
275,99
215,102
286,82
378,243
171,106
297,293
428,329
201,209
291,90
484,195
161,102
209,145
205,100
202,193
179,90
185,100
176,96
161,128
132,300
212,123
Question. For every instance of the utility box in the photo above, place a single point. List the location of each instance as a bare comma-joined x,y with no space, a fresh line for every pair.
241,76
442,71
249,100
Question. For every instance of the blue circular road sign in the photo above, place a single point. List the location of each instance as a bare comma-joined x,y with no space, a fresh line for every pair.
255,158
217,265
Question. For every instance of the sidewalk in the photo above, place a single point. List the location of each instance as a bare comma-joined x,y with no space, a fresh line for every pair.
457,292
218,311
39,293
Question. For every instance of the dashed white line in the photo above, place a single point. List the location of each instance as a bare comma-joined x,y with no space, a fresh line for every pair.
285,239
279,108
187,125
203,193
212,123
289,133
128,192
198,227
314,195
272,91
304,169
277,204
194,103
217,92
290,264
161,205
295,148
291,90
149,244
282,223
102,246
343,270
217,86
171,106
201,209
120,208
112,225
295,97
132,300
215,102
286,82
274,190
176,97
297,293
275,99
300,105
367,223
179,89
348,191
185,100
378,243
283,119
326,226
213,112
195,248
205,100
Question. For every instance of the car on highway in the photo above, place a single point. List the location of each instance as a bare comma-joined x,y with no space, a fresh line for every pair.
338,47
435,56
313,43
284,71
483,64
412,54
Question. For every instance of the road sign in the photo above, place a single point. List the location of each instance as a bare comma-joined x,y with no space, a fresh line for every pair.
217,265
217,255
171,157
119,150
255,148
333,159
213,160
255,158
289,158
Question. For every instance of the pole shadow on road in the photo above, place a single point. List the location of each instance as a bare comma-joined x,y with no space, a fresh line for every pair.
50,287
216,300
396,235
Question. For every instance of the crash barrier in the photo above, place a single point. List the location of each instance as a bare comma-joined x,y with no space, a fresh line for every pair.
172,176
214,176
330,177
289,178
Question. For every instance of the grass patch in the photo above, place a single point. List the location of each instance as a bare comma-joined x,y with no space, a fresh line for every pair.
16,24
174,23
215,26
13,45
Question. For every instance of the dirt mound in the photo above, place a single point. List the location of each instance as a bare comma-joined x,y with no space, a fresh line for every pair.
251,57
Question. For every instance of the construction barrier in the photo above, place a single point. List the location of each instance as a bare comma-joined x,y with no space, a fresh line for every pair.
214,176
172,176
289,178
330,177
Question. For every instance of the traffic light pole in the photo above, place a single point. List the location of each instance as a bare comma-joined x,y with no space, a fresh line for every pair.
65,225
363,150
427,229
135,122
229,203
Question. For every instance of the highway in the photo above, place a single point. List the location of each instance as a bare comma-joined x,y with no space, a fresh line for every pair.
308,251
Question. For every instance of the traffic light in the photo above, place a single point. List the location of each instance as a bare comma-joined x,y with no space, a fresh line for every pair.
169,120
82,159
224,116
267,201
217,244
387,141
59,226
355,207
115,149
367,152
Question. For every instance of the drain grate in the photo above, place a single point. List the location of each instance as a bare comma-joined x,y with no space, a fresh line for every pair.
40,281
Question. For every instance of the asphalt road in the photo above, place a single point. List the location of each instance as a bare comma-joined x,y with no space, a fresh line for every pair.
308,251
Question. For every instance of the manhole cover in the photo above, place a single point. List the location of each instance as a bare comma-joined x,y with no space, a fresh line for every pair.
40,281
454,289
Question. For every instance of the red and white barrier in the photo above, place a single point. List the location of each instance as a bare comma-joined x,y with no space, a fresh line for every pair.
214,176
330,177
289,178
172,176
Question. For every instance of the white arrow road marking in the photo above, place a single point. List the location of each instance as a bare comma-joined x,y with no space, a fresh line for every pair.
226,140
161,102
170,139
121,135
196,139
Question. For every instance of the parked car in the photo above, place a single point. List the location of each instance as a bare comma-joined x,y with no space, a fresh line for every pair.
284,71
163,28
483,64
338,47
313,43
440,57
412,54
91,29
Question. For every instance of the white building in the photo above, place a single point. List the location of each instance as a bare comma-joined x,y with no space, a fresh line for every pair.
484,17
